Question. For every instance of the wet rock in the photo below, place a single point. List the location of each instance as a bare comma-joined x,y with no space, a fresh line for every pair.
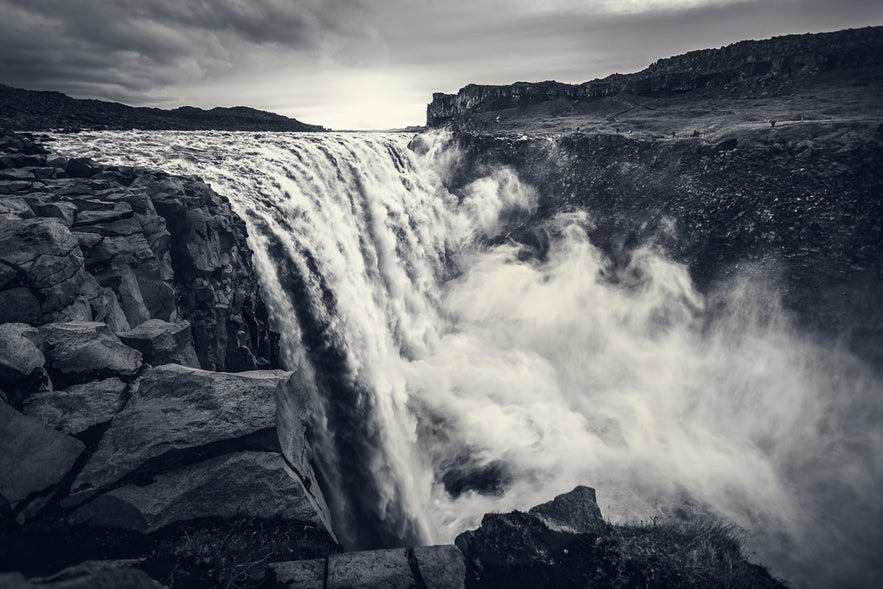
161,342
243,484
78,407
33,457
79,351
177,408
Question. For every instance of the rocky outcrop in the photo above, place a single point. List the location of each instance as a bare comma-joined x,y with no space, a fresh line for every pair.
123,294
739,67
176,409
34,110
122,245
240,484
566,543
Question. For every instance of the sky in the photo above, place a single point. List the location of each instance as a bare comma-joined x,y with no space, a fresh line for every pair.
367,64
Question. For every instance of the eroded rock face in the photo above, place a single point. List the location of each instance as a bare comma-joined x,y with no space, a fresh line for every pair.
33,457
178,408
123,245
161,342
242,484
41,270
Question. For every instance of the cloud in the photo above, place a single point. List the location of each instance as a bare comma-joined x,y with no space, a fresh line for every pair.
361,63
136,48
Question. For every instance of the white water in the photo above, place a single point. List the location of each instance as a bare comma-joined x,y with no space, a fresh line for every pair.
454,360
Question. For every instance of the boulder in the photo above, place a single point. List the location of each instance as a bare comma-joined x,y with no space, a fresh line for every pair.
177,408
41,269
78,407
80,351
242,484
33,457
576,512
161,342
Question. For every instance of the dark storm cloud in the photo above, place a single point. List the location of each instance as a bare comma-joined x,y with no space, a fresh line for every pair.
130,47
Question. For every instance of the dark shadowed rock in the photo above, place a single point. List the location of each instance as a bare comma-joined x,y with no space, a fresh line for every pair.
77,407
440,567
243,484
162,342
293,411
32,456
78,351
176,408
576,511
21,360
380,569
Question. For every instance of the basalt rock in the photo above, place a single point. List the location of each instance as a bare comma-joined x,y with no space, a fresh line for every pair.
33,457
123,245
80,351
240,484
21,361
78,407
175,409
161,342
741,67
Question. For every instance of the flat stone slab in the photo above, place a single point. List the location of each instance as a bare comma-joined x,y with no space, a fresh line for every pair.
245,484
176,407
77,407
78,351
378,569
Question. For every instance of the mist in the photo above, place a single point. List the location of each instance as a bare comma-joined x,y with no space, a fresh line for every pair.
458,372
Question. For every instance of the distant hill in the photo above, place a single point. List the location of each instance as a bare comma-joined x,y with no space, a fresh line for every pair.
32,110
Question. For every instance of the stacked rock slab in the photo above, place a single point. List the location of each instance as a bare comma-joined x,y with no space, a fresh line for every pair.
123,292
123,245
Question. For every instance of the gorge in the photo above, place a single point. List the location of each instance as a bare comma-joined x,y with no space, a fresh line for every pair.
677,305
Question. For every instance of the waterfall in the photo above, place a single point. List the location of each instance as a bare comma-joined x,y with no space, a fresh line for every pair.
457,372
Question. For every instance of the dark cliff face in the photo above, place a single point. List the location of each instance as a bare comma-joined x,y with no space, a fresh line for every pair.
740,67
128,245
30,110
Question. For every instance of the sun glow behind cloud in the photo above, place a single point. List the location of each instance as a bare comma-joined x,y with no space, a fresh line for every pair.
362,65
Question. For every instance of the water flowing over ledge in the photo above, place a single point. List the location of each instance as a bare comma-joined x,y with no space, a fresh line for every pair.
457,372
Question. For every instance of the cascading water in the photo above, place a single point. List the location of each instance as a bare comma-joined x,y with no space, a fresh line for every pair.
460,375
